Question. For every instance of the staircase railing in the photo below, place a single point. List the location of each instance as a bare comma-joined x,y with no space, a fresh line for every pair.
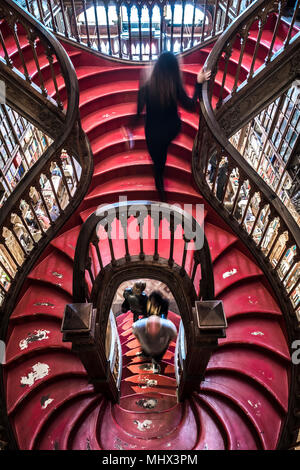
106,255
253,23
137,30
236,191
54,186
61,175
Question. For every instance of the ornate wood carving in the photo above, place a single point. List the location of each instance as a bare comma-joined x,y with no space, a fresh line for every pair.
263,89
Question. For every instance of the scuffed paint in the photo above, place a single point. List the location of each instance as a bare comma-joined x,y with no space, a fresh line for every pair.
37,335
255,406
143,425
46,401
148,404
39,371
44,304
257,333
56,274
121,445
229,273
148,383
146,367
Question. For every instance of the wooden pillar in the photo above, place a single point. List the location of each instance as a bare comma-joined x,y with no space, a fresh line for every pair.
80,328
208,325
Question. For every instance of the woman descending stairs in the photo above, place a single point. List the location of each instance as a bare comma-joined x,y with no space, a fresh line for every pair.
243,401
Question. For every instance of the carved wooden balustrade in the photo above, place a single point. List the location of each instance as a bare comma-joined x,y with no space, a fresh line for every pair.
137,30
242,198
141,239
102,358
270,60
48,194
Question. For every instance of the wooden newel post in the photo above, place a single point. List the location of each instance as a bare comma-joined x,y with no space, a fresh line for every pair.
208,325
80,328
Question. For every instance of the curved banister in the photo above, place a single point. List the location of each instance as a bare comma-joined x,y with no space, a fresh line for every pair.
221,141
146,43
273,232
140,210
69,153
96,281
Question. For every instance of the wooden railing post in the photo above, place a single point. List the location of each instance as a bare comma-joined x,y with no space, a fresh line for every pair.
79,327
208,325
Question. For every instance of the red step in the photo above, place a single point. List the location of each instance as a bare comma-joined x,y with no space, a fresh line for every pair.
243,400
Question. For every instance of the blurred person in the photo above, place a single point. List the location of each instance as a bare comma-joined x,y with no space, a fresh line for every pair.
157,305
154,334
160,94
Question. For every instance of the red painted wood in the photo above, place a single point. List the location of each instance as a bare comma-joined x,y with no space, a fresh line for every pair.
252,403
243,400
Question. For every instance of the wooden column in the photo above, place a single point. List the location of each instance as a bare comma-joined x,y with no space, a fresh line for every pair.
208,325
79,327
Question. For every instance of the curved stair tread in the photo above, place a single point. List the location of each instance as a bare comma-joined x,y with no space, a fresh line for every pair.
257,331
147,402
85,436
252,403
40,300
114,437
66,242
145,184
24,378
137,158
233,428
166,369
249,362
218,239
155,424
56,434
233,267
56,270
34,333
249,298
36,412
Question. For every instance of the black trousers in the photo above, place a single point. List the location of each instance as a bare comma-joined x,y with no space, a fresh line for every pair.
158,141
157,357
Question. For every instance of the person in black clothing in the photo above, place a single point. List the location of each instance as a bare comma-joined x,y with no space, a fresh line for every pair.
160,94
135,300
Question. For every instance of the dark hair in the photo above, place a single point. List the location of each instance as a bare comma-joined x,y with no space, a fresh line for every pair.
159,301
140,285
165,80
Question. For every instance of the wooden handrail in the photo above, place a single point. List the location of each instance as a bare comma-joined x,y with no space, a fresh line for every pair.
110,40
226,179
84,288
96,283
69,155
24,235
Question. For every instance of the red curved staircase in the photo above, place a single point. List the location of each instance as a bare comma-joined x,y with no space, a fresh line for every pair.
243,401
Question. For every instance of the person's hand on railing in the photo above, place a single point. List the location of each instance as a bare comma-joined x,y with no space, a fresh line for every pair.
203,75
